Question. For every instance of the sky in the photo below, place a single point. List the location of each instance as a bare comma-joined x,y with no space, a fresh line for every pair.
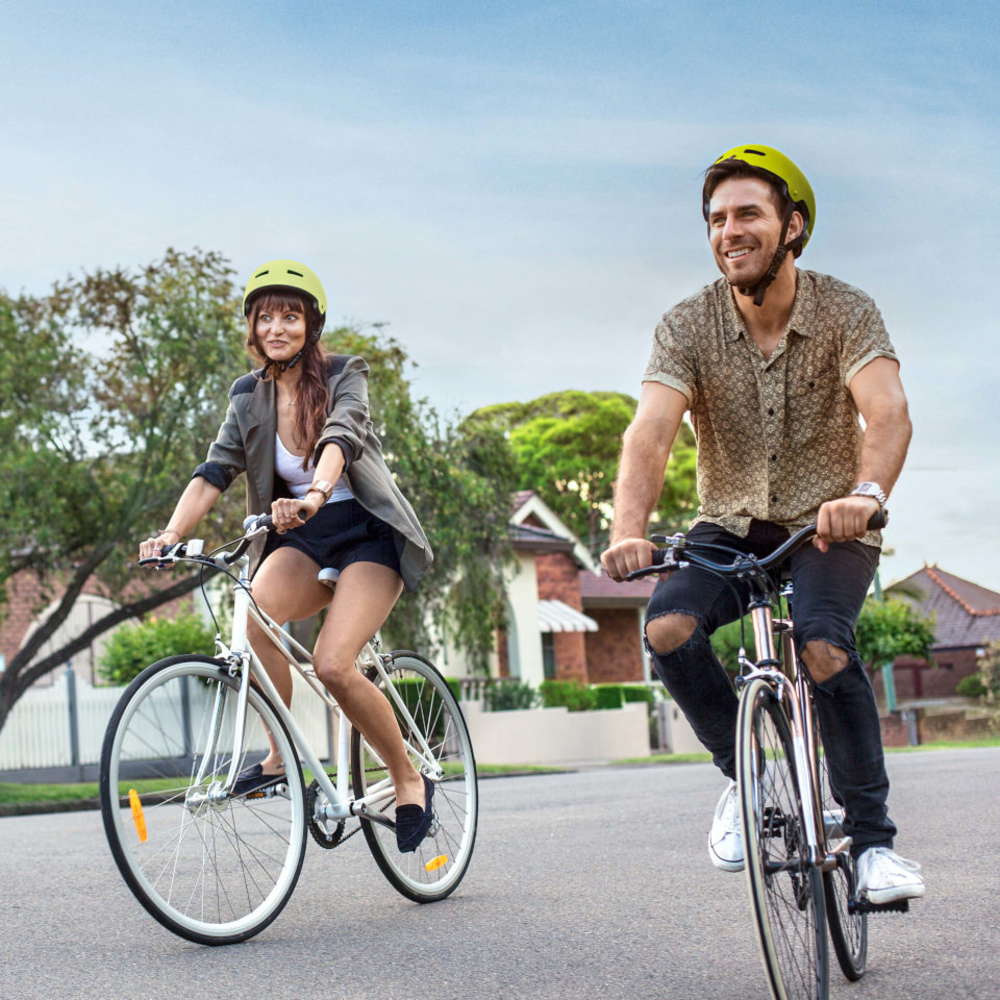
514,187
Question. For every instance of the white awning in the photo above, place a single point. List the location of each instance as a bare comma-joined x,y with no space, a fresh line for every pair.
554,616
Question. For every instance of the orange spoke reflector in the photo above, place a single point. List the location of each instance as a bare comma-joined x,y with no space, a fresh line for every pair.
435,863
137,816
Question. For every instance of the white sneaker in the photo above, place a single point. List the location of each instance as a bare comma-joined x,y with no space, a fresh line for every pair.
885,877
725,839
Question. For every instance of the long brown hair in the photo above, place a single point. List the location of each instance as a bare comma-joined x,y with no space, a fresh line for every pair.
313,395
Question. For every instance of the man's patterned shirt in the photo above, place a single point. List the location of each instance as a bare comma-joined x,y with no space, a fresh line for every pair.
776,438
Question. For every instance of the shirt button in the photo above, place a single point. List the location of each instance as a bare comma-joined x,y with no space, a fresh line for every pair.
774,458
774,499
770,411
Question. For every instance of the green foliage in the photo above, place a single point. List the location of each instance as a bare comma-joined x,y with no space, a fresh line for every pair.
459,479
972,686
609,696
726,642
989,678
567,446
891,628
508,695
132,648
638,692
573,695
110,388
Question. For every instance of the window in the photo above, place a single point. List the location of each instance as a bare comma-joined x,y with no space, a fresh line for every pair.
549,656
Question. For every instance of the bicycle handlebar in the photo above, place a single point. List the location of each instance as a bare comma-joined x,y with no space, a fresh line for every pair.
252,526
676,555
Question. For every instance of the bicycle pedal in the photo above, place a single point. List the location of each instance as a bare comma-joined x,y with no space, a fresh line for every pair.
856,906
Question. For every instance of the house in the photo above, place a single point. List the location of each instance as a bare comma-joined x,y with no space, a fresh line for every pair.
566,619
967,618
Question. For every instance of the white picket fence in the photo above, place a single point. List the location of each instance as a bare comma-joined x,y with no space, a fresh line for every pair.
38,732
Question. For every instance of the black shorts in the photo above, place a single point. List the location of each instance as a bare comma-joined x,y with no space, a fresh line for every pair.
342,533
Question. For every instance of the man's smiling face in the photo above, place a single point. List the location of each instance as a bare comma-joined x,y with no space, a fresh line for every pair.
744,227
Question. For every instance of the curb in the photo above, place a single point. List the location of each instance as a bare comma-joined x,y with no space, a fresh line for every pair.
85,805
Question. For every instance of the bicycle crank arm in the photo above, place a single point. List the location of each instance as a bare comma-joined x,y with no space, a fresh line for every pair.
834,848
363,812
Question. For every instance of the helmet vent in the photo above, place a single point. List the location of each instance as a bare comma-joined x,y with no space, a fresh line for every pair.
756,152
298,274
260,274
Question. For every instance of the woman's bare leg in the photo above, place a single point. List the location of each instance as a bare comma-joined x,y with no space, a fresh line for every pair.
285,587
365,594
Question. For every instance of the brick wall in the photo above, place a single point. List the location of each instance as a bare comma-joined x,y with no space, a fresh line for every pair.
914,679
614,653
559,580
27,599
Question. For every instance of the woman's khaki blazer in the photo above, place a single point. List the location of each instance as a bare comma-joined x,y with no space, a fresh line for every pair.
245,443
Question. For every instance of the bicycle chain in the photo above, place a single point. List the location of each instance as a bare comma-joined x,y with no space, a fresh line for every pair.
328,841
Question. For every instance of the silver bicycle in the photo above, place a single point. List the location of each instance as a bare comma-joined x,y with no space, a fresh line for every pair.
799,868
217,867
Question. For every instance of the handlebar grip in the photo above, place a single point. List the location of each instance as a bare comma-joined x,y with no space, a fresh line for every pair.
878,520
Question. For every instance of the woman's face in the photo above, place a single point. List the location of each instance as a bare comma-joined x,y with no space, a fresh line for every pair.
281,333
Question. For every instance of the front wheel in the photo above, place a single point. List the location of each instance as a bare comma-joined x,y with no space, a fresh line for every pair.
211,867
786,890
437,742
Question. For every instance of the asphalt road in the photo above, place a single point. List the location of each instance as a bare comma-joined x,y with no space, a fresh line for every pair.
589,885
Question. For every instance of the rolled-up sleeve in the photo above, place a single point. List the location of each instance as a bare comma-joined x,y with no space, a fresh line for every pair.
672,359
865,339
347,424
226,454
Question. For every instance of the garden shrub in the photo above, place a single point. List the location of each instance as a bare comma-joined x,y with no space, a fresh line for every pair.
971,687
132,648
573,695
638,692
509,695
609,696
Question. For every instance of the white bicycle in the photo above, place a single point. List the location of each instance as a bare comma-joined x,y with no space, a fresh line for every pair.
217,867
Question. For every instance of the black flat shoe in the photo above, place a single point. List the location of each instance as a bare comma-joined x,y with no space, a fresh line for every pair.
412,822
253,779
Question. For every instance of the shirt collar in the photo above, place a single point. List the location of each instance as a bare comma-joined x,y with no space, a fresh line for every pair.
803,309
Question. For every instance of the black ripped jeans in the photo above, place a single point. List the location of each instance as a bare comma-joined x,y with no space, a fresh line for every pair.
830,588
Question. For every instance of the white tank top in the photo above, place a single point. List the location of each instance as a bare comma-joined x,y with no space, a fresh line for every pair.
289,468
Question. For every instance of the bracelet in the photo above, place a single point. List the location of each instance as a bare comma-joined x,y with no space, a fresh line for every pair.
163,531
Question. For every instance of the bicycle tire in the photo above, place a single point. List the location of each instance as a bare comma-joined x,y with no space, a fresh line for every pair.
212,870
786,891
437,866
848,932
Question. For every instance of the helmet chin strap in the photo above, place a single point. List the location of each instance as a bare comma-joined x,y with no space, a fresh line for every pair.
760,288
284,366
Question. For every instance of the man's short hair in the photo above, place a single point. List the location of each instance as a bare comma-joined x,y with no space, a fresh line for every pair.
725,170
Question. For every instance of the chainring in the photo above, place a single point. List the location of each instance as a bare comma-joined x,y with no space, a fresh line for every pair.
326,836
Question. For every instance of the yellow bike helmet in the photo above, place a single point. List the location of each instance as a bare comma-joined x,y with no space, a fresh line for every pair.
791,179
287,274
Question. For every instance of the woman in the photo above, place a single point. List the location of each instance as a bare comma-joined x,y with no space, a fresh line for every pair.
300,429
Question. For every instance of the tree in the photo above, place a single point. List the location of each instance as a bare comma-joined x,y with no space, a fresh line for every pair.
459,478
110,387
567,446
890,628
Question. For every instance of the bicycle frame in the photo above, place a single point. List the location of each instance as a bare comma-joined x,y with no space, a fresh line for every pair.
244,661
791,687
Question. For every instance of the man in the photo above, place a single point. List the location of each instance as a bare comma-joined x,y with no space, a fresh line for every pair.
774,364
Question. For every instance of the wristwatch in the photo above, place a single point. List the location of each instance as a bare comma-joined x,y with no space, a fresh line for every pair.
321,486
872,490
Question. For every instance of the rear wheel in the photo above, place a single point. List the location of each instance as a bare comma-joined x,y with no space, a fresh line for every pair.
848,932
438,743
210,867
786,890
